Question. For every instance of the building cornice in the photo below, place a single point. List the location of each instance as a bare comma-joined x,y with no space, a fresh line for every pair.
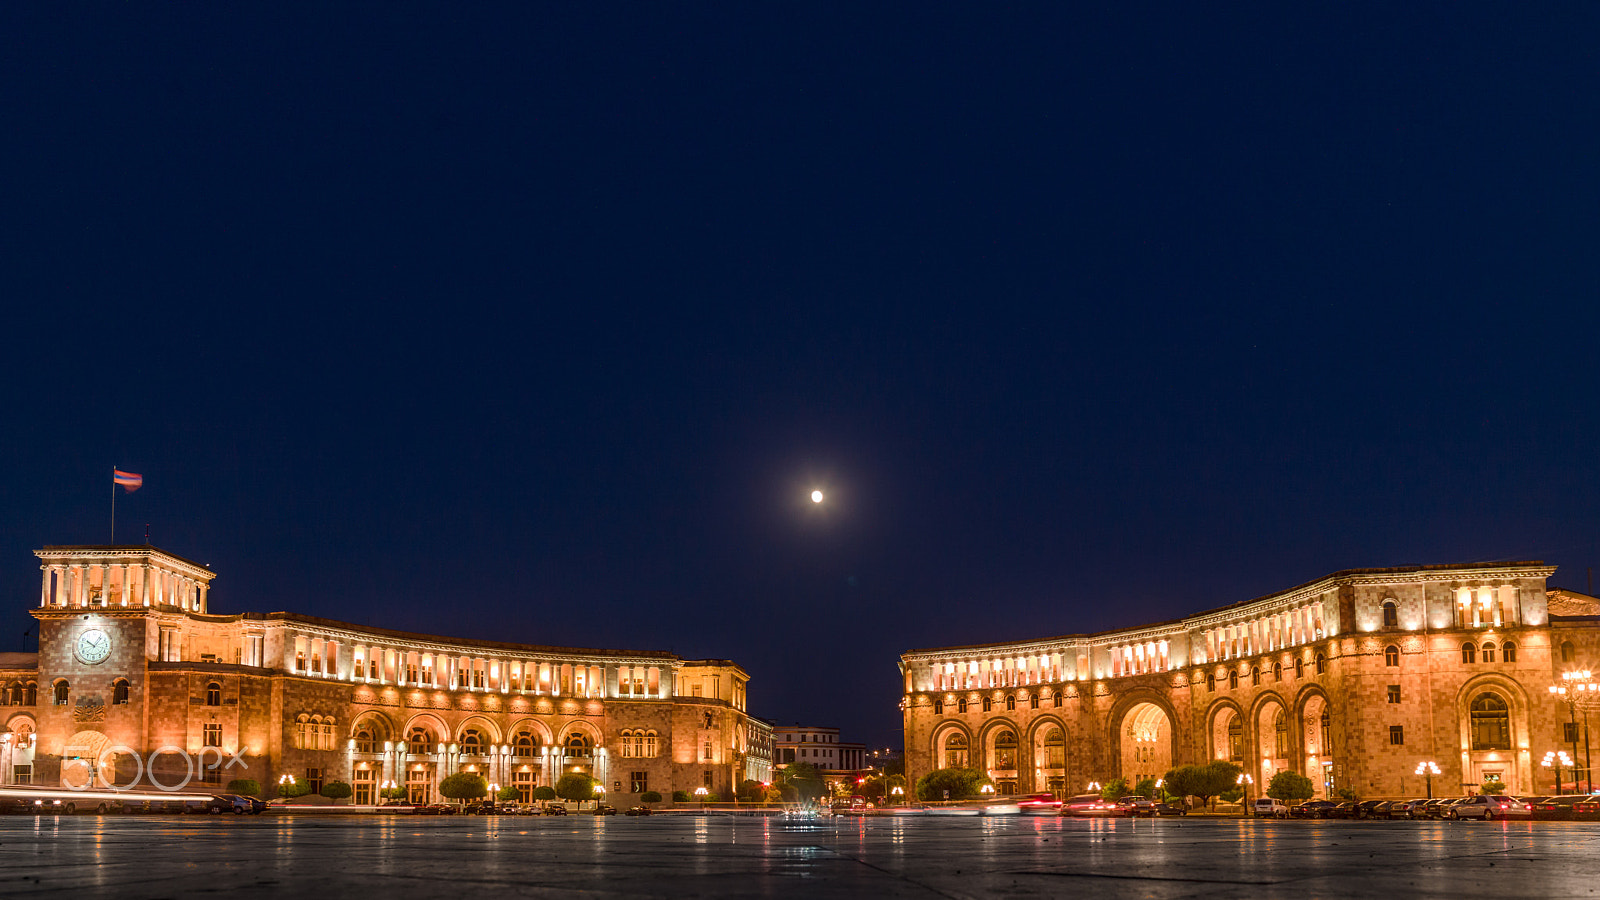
93,554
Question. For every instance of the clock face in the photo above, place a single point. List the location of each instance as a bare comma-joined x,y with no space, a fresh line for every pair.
94,646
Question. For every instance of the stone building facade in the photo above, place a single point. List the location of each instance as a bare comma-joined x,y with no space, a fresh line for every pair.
137,681
1352,680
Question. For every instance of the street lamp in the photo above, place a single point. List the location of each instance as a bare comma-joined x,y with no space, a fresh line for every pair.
1579,691
1244,781
897,792
1555,759
1428,770
701,793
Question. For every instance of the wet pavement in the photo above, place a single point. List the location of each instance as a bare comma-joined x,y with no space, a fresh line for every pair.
721,856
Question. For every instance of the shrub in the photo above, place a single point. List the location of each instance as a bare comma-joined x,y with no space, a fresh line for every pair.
650,797
750,791
544,792
712,798
337,790
961,783
1290,786
245,787
394,793
507,794
464,786
575,786
1115,789
1146,788
680,796
1492,786
293,790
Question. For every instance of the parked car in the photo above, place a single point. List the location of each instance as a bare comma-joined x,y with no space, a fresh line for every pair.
1085,805
1407,809
555,809
1313,809
638,811
1039,805
1586,807
1490,807
1179,808
229,803
1366,809
483,808
1345,810
605,809
435,809
1554,808
1268,808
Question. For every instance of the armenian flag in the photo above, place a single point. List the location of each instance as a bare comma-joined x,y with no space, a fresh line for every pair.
128,480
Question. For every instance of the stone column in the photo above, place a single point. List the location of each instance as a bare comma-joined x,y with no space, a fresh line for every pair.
201,605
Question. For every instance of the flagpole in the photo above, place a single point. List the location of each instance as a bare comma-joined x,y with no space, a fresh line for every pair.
113,504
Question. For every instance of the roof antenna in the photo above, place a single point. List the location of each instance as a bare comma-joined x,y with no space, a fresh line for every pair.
147,534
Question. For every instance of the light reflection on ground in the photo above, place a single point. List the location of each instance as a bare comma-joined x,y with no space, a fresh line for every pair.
740,856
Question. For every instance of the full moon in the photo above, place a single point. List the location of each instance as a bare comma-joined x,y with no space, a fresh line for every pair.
816,496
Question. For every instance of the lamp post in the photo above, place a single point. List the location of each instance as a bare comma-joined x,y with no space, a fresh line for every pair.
1427,770
1555,759
1244,781
1579,691
897,793
701,793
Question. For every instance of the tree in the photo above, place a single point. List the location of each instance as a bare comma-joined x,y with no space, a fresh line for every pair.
1214,779
1115,789
544,792
650,797
872,788
1179,782
961,784
464,786
1146,788
680,796
751,791
805,778
575,786
1290,786
245,787
294,789
507,794
337,790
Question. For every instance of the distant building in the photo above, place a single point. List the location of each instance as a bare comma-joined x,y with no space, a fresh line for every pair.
1353,680
137,678
841,762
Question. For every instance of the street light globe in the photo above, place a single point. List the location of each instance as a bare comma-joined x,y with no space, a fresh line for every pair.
816,496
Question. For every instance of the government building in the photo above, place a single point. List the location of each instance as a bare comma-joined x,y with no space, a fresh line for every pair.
1353,680
137,682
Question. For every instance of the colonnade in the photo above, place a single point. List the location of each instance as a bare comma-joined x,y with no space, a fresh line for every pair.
132,584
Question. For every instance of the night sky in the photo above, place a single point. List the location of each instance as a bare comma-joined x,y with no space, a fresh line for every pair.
540,323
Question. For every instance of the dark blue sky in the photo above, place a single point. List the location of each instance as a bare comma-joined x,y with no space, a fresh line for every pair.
539,323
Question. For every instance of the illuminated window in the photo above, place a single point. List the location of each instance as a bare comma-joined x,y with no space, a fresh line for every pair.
955,751
1277,671
1491,723
1488,652
705,751
1568,653
1397,735
62,691
213,694
1508,651
1391,655
1299,668
1469,653
364,741
1391,614
579,745
302,732
1211,681
472,742
1055,749
119,692
1280,727
212,735
988,704
1235,739
1033,702
638,782
1055,699
1011,704
961,705
1255,676
938,707
1005,750
1233,681
1322,663
419,741
1394,693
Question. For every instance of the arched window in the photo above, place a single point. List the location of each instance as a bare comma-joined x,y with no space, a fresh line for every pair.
1491,723
1211,681
1277,671
961,705
326,733
523,747
1233,681
1235,739
1568,653
1033,702
1280,727
62,692
955,751
1255,676
1299,668
30,696
649,748
1322,663
213,694
1391,655
1469,653
579,745
707,720
119,692
1011,704
13,694
364,741
1005,750
1055,749
988,704
420,740
472,742
1391,614
1055,699
302,732
1488,652
1508,651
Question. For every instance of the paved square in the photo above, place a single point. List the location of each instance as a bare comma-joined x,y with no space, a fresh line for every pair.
403,856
